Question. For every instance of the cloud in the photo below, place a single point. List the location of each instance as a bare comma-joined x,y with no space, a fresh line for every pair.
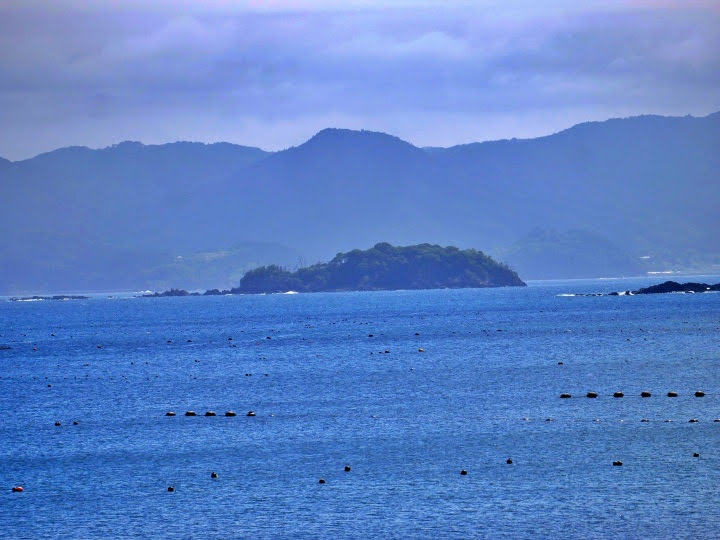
271,74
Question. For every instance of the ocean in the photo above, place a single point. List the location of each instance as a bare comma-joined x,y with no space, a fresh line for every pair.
406,388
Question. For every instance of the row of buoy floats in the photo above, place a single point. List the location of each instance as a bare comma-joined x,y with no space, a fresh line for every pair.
645,394
463,472
209,413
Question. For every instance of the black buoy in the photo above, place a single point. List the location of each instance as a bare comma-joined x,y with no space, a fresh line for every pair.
699,393
347,468
617,463
644,420
213,474
321,481
17,489
230,413
560,363
463,472
171,489
696,454
618,394
251,413
210,413
509,461
693,421
592,394
645,393
672,394
75,422
58,423
190,413
170,413
565,396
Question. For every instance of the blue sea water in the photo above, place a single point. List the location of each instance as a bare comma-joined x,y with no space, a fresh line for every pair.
327,395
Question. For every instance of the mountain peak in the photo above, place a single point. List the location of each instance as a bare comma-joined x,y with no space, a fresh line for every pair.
341,136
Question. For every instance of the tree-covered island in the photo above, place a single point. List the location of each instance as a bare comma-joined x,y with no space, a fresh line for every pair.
386,267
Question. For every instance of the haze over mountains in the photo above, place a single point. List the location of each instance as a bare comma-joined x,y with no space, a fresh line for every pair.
604,198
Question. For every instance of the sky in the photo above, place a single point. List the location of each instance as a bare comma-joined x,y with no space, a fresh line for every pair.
272,73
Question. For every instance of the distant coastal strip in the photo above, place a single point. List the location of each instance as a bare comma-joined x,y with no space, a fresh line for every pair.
662,288
56,297
381,268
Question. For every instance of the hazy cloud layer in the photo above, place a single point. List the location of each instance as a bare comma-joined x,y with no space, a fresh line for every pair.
271,74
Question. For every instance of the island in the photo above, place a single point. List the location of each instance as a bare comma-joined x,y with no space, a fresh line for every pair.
55,297
662,288
171,292
675,287
386,267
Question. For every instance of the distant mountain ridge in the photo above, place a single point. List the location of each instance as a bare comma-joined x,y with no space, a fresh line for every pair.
76,217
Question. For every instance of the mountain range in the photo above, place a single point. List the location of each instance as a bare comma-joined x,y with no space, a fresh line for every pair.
617,197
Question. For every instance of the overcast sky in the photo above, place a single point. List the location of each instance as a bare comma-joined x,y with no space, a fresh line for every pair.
272,73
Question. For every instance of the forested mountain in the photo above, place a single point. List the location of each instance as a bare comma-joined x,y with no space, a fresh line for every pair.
82,219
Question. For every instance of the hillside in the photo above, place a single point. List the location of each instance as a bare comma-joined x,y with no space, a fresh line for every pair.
79,219
384,267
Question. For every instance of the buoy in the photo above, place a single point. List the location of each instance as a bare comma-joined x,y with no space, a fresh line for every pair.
75,422
347,468
321,481
617,463
696,454
171,489
565,396
213,474
230,413
592,394
58,424
645,394
370,335
190,413
17,489
668,421
672,394
693,421
509,461
699,393
210,413
251,413
716,420
463,472
549,419
644,420
618,394
170,413
421,349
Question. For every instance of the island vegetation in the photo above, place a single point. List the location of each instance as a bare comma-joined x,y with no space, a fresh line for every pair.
386,267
